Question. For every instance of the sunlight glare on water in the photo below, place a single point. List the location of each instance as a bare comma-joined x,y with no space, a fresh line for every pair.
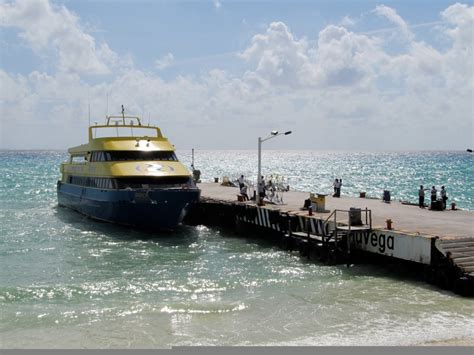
69,282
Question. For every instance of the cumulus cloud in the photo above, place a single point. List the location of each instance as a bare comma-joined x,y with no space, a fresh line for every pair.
44,27
346,58
460,17
279,57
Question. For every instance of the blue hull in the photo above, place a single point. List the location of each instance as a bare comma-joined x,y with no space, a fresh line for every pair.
157,209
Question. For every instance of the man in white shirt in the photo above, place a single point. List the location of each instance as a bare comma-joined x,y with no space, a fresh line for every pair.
421,197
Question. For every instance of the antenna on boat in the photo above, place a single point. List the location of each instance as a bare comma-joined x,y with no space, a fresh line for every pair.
123,114
148,118
107,108
89,101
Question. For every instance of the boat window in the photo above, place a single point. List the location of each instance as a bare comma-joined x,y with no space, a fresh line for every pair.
102,183
135,182
116,155
121,131
153,182
78,159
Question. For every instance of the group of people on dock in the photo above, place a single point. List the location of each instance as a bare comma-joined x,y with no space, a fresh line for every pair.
433,195
262,189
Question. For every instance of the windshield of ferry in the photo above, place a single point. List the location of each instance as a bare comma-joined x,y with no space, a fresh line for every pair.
117,131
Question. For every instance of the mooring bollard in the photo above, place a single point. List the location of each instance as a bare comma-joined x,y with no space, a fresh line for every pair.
310,210
389,223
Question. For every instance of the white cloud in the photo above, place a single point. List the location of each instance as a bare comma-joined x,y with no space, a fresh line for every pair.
165,61
345,58
217,4
45,27
461,20
339,90
347,21
392,16
280,58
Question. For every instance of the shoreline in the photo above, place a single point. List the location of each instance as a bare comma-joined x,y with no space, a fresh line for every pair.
464,341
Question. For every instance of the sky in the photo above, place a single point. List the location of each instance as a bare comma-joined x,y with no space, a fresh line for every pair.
217,74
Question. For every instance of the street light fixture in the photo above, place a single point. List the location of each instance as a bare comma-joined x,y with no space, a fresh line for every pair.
273,134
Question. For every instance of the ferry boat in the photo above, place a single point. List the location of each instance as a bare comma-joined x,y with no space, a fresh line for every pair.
128,174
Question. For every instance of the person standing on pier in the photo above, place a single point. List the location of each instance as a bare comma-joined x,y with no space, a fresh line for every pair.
337,188
444,197
335,185
421,197
261,189
241,181
433,194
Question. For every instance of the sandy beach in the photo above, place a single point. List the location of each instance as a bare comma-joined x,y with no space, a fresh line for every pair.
468,341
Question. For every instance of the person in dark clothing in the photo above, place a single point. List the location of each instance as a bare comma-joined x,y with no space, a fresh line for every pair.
433,194
261,189
241,181
335,183
444,197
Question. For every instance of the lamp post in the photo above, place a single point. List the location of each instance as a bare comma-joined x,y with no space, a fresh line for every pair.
273,134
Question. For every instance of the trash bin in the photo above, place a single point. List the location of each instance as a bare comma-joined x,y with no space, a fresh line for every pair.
318,202
355,216
321,203
386,196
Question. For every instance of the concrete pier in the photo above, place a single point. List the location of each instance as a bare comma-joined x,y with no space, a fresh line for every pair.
441,241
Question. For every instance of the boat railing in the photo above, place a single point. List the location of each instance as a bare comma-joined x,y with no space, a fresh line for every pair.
117,126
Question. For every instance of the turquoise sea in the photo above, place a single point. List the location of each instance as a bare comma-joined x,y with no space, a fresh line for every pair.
69,282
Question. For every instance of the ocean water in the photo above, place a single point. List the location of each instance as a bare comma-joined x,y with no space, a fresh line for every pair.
69,282
401,173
